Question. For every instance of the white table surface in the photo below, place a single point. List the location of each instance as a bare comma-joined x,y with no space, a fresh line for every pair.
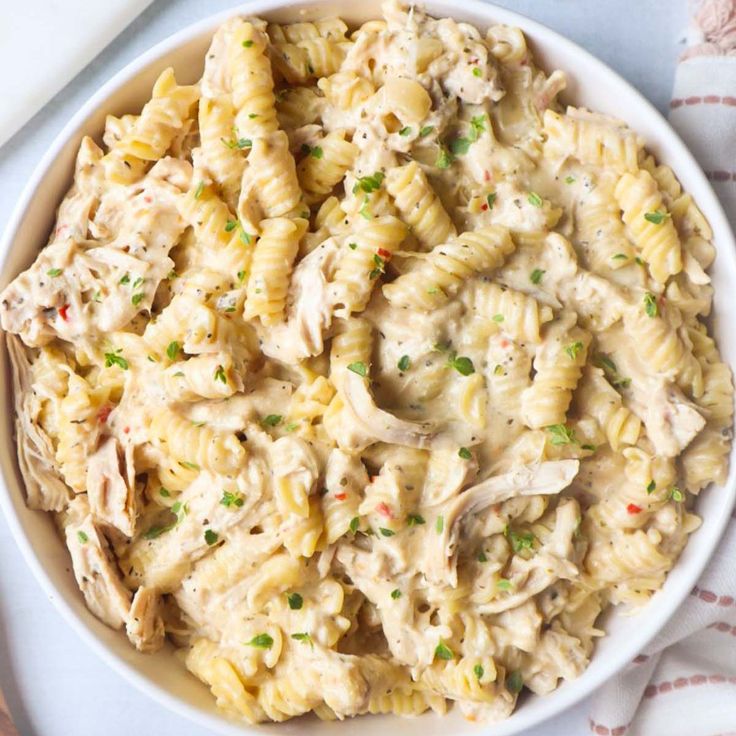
54,684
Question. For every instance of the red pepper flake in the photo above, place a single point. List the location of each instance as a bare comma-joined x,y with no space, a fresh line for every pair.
341,496
63,313
384,510
632,508
504,343
484,207
385,254
148,199
104,413
126,430
486,175
60,229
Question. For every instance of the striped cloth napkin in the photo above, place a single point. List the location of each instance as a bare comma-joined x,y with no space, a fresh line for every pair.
684,683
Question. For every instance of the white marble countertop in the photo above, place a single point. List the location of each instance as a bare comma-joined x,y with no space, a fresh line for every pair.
55,686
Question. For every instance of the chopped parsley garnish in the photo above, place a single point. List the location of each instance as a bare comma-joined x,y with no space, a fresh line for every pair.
439,525
82,537
359,367
612,374
180,510
136,299
561,434
536,275
515,682
198,191
262,641
463,365
425,131
491,200
477,72
444,158
210,537
481,557
477,126
112,359
620,257
650,305
569,180
520,541
231,499
396,593
125,279
379,268
155,531
573,350
405,130
220,374
415,520
656,217
458,147
303,637
230,225
535,200
172,350
369,184
364,211
291,426
240,143
241,276
352,246
295,601
442,651
272,420
189,466
498,318
504,584
404,363
478,671
592,448
498,370
165,492
386,532
138,282
354,524
651,487
677,495
54,272
316,152
247,44
464,453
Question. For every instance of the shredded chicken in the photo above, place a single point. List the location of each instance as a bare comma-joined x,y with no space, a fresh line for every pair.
145,626
44,486
96,573
111,488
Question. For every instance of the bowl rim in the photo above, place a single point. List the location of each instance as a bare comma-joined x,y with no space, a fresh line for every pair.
565,696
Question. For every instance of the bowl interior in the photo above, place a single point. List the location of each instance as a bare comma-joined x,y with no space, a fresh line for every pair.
591,84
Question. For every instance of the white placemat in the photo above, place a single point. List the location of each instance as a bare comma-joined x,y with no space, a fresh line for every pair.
45,43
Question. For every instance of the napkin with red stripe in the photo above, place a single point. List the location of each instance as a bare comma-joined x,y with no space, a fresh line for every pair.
684,683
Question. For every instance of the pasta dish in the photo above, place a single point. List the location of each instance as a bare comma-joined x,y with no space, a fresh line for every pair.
366,373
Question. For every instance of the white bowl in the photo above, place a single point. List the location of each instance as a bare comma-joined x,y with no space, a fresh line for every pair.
161,675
